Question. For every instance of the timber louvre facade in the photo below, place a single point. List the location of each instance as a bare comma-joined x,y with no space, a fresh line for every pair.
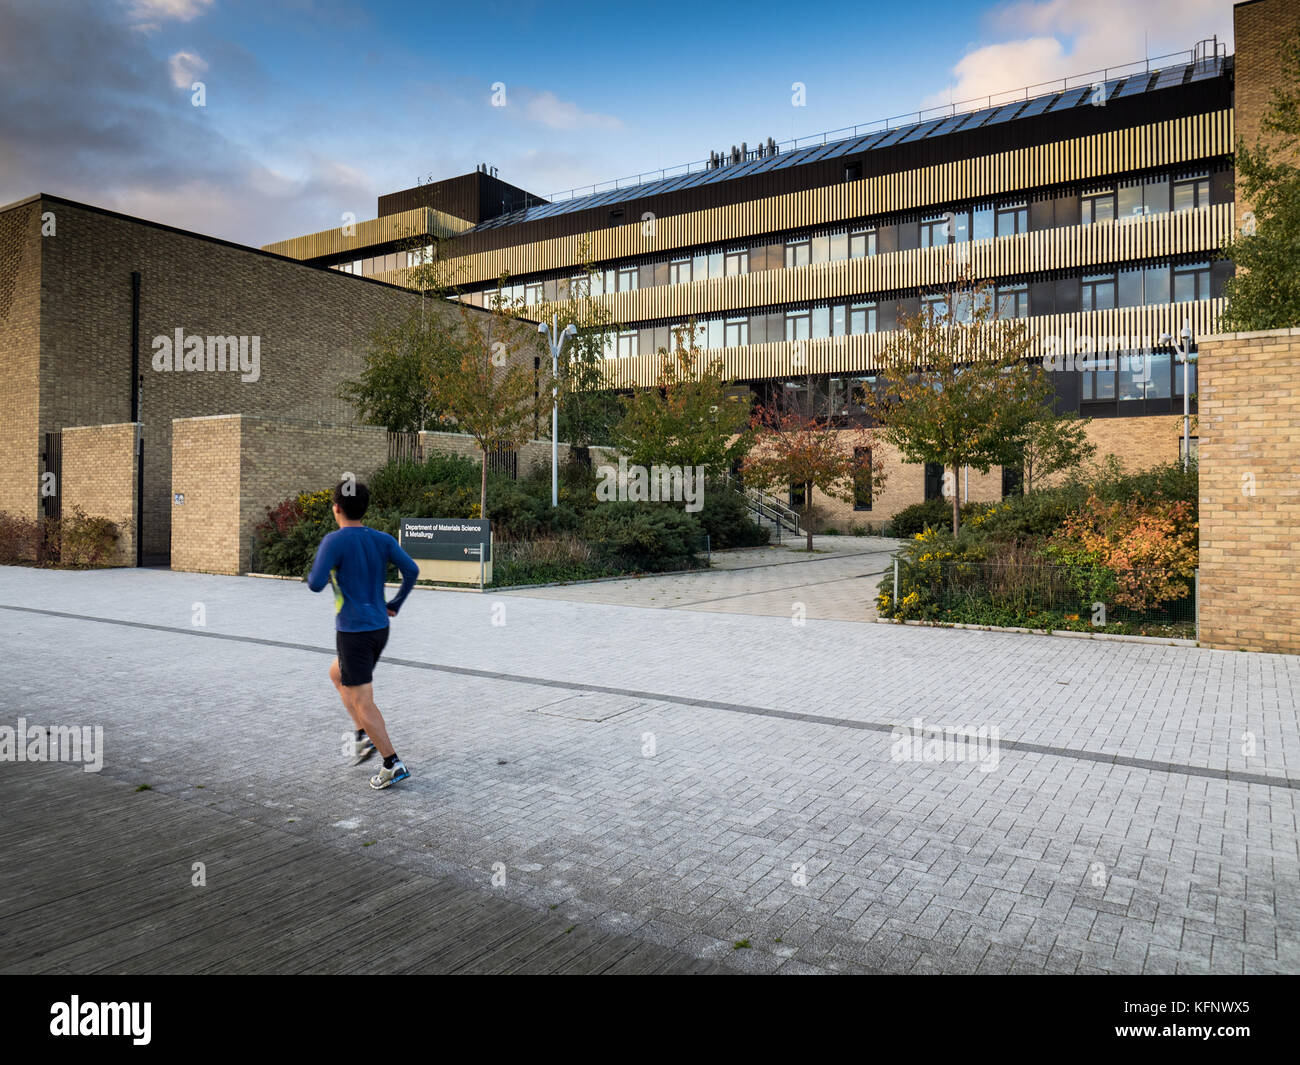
1093,209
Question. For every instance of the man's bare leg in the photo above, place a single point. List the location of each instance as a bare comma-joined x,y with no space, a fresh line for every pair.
337,677
367,715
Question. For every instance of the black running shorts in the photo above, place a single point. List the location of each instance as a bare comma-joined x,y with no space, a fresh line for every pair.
358,653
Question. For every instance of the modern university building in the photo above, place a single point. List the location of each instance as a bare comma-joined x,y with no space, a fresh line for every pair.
1092,207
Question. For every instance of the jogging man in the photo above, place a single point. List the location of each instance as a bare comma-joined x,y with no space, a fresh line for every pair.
354,559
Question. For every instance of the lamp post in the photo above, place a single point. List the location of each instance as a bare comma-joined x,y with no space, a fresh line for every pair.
556,340
1185,349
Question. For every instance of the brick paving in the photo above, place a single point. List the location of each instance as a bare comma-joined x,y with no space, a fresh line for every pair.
693,779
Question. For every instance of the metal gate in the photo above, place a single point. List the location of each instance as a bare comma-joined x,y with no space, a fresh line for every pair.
52,486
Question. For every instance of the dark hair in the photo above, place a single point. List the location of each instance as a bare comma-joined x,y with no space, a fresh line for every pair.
353,498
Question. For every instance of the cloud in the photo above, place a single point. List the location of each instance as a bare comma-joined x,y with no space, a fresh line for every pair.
184,67
554,113
90,114
1046,40
177,10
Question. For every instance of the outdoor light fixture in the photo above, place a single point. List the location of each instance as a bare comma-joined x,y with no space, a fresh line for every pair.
556,339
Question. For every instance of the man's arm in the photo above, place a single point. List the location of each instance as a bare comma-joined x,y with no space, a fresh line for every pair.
409,570
326,559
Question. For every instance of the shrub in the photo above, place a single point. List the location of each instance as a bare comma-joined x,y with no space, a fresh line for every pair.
646,536
1149,546
86,541
932,514
21,539
725,517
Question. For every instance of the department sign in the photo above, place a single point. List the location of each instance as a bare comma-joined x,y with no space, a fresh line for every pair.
447,539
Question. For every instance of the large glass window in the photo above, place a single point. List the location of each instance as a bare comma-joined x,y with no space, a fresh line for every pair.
737,262
1158,364
1099,384
862,318
1191,192
1130,288
839,320
1099,292
1156,282
1098,206
628,344
935,231
1013,218
982,222
1192,282
737,332
1134,369
679,271
862,243
1013,301
839,246
797,253
797,324
862,478
627,278
714,333
1179,369
821,322
715,263
821,248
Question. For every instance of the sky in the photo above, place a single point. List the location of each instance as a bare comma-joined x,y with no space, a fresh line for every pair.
310,109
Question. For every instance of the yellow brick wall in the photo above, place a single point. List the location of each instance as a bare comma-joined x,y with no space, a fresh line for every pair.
20,349
99,476
232,468
1250,491
205,466
1259,28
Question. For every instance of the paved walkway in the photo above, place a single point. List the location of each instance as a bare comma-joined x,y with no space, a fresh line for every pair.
837,583
697,780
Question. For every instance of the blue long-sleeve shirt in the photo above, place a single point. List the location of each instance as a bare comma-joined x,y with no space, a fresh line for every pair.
355,560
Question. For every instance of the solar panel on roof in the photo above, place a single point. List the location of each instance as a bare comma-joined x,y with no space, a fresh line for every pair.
893,136
1070,98
948,125
1038,105
1048,103
793,158
922,129
1136,84
978,118
1171,76
1005,112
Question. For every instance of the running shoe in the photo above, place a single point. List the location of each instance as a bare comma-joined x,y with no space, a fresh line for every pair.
386,777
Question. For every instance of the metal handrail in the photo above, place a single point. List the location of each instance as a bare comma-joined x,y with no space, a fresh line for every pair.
1028,92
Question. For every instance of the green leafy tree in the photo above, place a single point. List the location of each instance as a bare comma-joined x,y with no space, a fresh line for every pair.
589,407
484,382
687,419
1054,442
393,388
956,387
1265,293
796,442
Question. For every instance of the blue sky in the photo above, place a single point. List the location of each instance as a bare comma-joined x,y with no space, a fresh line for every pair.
314,107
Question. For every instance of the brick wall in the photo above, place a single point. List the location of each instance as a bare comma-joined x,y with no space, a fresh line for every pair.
1259,28
20,348
1250,491
205,469
99,476
231,468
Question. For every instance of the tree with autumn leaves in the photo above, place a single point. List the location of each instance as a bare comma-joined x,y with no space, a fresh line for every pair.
796,441
956,386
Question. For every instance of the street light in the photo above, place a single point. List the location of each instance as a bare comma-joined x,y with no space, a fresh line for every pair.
556,340
1185,352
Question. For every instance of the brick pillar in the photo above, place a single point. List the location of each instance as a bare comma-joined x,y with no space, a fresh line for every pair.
100,477
1249,448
